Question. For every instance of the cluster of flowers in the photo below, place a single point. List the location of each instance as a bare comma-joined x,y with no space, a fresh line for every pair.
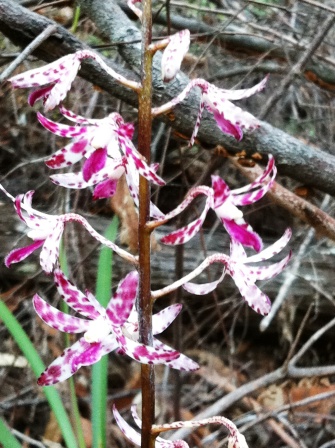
108,152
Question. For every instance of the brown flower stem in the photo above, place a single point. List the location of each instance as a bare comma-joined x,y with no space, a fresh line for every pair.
145,300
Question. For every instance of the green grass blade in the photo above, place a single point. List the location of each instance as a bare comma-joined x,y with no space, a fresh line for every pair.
7,439
29,351
99,370
74,408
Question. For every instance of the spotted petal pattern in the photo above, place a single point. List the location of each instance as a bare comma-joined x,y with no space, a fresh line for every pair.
231,119
105,330
245,276
107,146
224,202
45,230
60,75
235,440
174,54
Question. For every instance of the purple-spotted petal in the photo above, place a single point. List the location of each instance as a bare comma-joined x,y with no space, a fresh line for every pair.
17,255
80,354
253,192
70,154
182,362
267,272
38,94
272,250
239,94
121,304
62,72
128,431
105,189
77,118
57,319
142,167
62,130
50,249
203,288
174,53
254,297
132,178
221,191
227,126
143,353
163,319
95,163
242,232
87,305
185,233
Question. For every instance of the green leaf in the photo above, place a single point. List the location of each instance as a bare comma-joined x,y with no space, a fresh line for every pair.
100,369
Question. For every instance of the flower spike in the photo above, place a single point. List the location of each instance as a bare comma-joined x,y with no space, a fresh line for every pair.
235,440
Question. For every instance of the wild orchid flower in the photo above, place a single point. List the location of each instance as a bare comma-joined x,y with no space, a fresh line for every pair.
60,74
106,144
237,265
105,330
174,54
224,202
230,118
235,440
46,232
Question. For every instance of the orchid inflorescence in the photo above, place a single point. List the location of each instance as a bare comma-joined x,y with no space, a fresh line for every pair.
105,146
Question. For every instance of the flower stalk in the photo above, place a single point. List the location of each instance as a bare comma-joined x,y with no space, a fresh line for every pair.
144,299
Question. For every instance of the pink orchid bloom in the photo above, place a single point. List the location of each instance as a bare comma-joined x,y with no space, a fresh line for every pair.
230,118
237,265
106,144
60,74
235,440
46,232
105,330
174,54
224,202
